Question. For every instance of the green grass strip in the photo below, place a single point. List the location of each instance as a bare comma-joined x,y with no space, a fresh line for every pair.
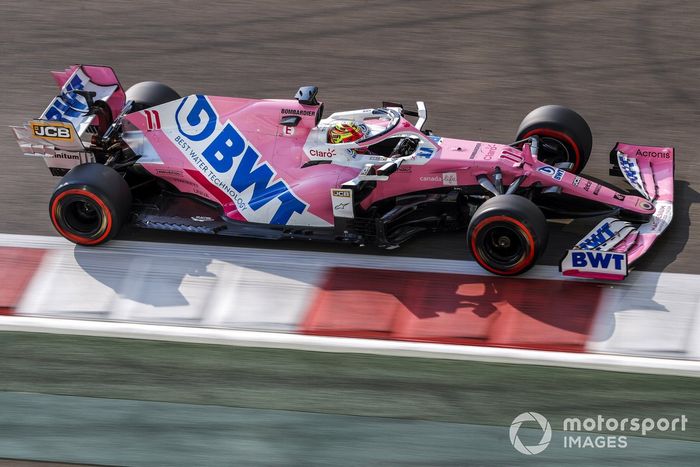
352,384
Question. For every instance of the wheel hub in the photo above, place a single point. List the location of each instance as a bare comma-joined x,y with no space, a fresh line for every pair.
554,151
81,215
503,241
503,244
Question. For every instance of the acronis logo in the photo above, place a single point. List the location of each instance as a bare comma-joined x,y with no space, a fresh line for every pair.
227,159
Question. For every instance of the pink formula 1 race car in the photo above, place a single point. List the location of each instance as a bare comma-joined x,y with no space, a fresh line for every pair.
275,168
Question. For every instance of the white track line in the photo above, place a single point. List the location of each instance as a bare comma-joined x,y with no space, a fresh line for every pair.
305,257
351,345
275,256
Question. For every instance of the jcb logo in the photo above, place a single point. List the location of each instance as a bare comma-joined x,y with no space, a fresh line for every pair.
52,132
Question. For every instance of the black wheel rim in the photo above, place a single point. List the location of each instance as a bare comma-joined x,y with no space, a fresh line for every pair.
502,245
553,151
81,216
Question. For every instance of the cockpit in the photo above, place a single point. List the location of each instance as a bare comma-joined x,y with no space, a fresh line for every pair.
369,135
360,125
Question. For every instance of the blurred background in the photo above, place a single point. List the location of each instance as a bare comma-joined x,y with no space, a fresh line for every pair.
629,67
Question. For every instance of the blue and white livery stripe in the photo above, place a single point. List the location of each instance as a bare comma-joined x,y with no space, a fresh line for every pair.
70,107
630,170
606,235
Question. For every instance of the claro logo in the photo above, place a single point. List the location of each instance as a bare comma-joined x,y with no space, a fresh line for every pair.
321,153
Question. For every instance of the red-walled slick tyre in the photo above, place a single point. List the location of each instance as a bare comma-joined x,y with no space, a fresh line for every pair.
507,234
90,204
564,135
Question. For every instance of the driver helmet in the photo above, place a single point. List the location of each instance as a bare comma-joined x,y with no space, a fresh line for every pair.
345,132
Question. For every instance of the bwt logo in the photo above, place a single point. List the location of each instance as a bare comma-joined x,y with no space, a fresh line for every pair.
68,104
228,146
597,238
555,173
597,259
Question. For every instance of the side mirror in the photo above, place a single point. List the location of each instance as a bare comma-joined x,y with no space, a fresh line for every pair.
307,95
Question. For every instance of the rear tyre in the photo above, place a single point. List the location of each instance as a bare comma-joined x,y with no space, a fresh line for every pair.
90,204
150,93
565,135
507,234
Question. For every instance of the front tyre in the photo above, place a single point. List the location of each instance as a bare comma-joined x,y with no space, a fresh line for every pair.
507,234
564,134
90,204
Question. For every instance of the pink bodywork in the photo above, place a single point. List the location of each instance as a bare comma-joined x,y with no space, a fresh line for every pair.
259,122
248,156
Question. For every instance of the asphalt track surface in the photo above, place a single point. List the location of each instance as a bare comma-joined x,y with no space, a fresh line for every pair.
630,68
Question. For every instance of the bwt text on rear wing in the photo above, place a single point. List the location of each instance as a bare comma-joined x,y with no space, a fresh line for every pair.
89,98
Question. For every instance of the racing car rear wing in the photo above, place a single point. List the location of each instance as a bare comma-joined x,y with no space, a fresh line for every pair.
614,244
64,130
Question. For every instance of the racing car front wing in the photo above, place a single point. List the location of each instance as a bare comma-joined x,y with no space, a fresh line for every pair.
614,244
